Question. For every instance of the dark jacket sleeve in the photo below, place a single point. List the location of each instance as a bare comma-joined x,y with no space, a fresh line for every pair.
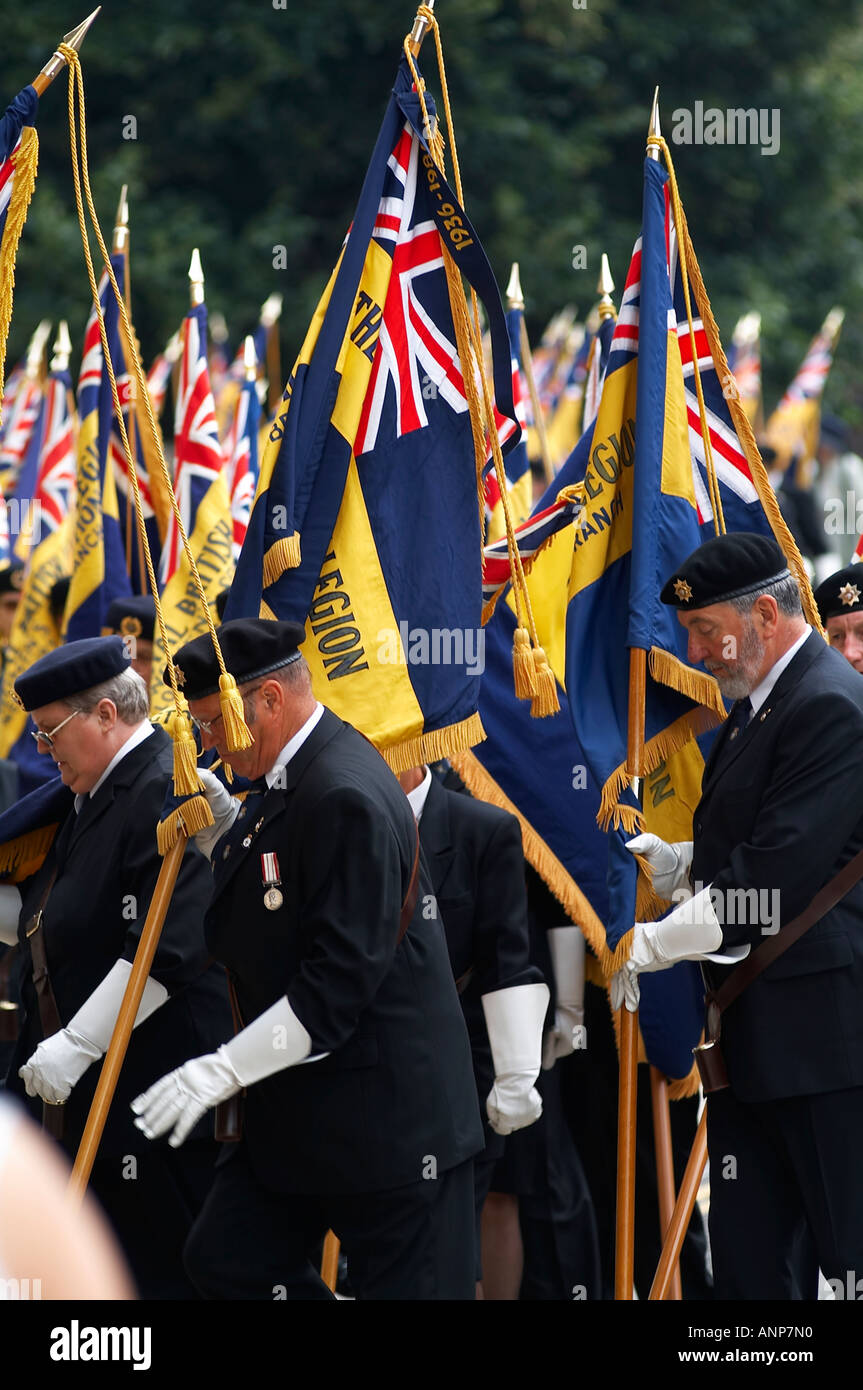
807,819
500,914
351,899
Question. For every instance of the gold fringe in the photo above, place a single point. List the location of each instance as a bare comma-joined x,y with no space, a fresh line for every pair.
523,669
746,435
193,815
284,555
22,191
237,735
21,857
545,701
186,780
669,741
669,670
685,1085
439,743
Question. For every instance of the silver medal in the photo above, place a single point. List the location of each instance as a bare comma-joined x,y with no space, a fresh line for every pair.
273,899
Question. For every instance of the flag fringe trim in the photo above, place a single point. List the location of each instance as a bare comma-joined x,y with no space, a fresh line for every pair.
600,966
668,669
22,191
663,745
21,857
746,435
284,555
438,743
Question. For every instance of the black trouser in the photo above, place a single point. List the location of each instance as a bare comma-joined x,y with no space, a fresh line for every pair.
152,1199
785,1194
413,1242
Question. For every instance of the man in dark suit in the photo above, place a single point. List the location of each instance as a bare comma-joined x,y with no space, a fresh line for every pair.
781,812
94,888
360,1109
476,864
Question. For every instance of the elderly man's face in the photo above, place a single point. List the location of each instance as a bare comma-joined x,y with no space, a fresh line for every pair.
82,748
845,633
727,643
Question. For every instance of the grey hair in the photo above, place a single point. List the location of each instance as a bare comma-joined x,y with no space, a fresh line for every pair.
128,691
295,677
785,591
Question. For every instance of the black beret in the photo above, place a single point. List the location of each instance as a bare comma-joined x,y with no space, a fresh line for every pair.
132,617
840,593
723,568
222,603
251,647
70,669
12,579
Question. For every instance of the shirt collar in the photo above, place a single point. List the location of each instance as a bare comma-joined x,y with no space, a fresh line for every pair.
760,693
417,797
294,744
144,730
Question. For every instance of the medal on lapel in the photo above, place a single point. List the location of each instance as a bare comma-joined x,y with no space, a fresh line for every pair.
273,896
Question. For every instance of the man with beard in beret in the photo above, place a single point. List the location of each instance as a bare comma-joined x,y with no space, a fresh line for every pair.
361,1111
781,812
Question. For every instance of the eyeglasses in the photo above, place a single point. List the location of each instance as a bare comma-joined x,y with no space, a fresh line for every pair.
206,726
48,739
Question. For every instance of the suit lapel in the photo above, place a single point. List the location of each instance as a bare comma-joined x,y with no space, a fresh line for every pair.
724,754
278,797
123,775
436,834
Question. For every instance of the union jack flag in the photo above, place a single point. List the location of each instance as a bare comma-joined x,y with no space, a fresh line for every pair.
18,426
55,482
241,461
197,452
516,463
808,384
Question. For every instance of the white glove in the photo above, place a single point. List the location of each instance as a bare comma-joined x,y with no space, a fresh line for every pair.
669,863
271,1042
568,1034
225,809
514,1019
690,932
61,1060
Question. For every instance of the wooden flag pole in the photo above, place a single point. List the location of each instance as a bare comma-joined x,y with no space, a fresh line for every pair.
624,1255
330,1261
116,1053
682,1213
664,1163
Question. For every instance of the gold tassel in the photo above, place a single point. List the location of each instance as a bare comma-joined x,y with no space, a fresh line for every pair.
193,815
545,701
523,669
22,191
237,736
186,779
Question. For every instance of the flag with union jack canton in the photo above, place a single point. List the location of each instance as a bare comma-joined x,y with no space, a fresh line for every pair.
201,490
793,428
648,503
241,461
99,575
366,523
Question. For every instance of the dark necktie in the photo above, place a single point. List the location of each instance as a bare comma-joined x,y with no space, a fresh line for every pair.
242,827
739,718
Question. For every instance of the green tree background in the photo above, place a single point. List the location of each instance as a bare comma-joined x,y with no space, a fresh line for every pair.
255,120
